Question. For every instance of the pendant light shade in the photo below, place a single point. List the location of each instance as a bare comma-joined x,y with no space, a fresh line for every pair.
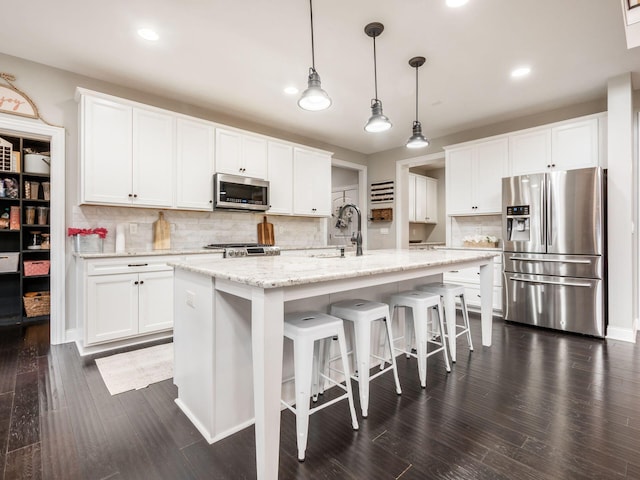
314,97
378,122
417,139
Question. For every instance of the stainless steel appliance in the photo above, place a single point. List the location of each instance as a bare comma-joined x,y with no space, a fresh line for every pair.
554,266
233,192
233,250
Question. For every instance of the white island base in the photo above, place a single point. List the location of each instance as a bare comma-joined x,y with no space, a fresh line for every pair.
228,331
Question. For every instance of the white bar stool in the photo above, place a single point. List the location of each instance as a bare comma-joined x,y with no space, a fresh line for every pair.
449,292
363,313
304,328
419,304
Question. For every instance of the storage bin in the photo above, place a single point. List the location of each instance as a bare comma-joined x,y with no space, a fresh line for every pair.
36,267
36,303
35,163
9,261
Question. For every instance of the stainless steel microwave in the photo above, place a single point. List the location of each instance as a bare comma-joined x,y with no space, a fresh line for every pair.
233,192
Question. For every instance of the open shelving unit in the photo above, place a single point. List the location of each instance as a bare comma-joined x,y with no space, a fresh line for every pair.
14,285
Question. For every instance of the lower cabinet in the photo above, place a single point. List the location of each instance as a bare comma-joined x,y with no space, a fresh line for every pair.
124,298
123,305
470,279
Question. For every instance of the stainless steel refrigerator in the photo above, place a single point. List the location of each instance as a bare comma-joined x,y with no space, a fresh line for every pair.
554,266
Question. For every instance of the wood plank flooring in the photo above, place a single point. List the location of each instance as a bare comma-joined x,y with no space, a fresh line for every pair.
536,405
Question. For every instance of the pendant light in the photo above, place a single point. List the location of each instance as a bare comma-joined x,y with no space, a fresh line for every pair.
377,122
314,97
417,140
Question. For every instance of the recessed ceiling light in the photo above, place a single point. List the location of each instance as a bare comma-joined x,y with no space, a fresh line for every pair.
291,90
456,3
148,34
521,72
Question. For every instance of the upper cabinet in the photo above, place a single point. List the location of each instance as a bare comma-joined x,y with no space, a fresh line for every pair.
280,176
194,164
474,177
241,154
562,146
423,199
311,182
137,155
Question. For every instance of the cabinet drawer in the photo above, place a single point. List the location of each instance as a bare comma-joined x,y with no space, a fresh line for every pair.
472,275
472,296
128,265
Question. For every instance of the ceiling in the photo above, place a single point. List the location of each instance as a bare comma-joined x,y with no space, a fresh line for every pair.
236,57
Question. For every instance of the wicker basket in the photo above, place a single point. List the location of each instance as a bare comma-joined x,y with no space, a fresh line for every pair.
36,303
36,267
468,243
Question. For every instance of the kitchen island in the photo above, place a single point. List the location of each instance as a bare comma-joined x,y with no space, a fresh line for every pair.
228,332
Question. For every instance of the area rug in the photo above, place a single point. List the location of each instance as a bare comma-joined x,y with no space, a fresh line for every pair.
136,369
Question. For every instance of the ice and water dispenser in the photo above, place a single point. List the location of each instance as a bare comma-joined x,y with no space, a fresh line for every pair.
518,223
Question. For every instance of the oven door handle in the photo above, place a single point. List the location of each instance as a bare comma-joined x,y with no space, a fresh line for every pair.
552,260
547,282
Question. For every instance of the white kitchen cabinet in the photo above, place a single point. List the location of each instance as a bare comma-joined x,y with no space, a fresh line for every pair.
153,158
106,152
530,151
241,154
127,154
124,305
474,177
195,164
575,145
280,169
423,199
469,278
311,183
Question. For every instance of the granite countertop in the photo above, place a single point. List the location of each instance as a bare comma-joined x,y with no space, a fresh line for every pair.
194,251
481,249
282,271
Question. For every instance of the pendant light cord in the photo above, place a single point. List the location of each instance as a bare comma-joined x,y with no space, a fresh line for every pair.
416,94
313,57
375,68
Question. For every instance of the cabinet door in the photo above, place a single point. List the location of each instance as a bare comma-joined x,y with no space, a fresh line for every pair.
194,164
106,152
153,158
254,157
530,152
311,183
421,199
432,200
111,308
155,307
575,145
412,197
280,168
228,152
459,180
492,163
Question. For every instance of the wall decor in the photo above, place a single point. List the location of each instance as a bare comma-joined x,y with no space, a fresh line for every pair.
16,102
382,191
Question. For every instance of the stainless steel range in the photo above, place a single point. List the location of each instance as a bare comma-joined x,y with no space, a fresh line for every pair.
235,250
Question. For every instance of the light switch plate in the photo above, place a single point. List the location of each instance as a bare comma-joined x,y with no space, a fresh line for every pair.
133,228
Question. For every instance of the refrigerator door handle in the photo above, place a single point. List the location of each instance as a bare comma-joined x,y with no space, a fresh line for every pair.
543,203
549,212
547,282
555,260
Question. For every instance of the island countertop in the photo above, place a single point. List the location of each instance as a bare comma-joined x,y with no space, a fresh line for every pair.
283,271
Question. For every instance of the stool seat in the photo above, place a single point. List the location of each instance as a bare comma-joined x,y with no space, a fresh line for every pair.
305,329
363,313
448,292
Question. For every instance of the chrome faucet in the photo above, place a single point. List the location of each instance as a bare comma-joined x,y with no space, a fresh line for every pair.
341,223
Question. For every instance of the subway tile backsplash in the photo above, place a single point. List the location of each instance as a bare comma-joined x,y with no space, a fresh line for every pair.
475,225
193,230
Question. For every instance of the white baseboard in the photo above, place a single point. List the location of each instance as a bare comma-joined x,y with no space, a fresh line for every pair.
105,347
622,334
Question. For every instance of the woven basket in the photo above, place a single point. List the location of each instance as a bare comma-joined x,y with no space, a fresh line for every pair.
37,303
36,267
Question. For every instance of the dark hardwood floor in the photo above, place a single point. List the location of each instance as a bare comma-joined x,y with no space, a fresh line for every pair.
536,405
